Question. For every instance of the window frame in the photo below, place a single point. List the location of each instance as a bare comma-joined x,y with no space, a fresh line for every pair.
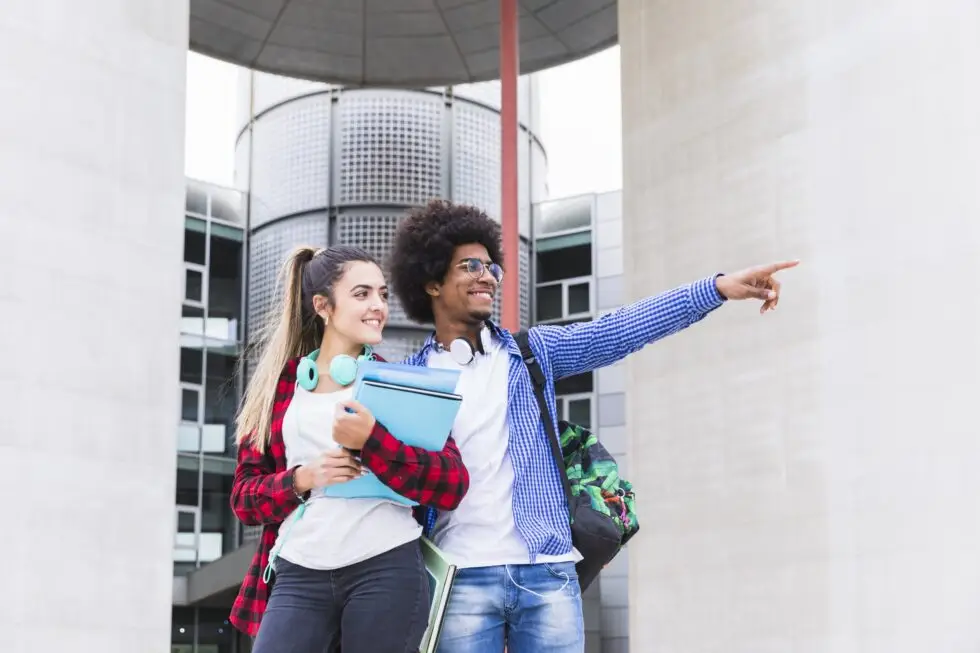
203,271
195,511
565,284
562,407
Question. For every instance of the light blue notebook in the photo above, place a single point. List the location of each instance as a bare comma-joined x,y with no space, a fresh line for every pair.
417,405
411,376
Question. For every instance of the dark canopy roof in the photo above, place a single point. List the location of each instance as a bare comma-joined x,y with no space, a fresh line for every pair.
406,43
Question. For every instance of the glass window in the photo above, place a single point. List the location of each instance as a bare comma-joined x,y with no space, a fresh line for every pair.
227,232
225,287
220,402
188,466
189,436
578,298
580,412
197,199
186,522
193,285
219,525
549,303
227,205
566,263
563,241
564,214
192,320
190,405
188,514
573,385
191,366
194,243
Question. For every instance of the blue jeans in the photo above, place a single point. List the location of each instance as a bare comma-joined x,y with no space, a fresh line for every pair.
530,608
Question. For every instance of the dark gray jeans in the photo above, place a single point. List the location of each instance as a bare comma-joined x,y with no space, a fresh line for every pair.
380,605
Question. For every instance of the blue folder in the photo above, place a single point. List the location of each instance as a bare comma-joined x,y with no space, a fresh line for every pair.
417,405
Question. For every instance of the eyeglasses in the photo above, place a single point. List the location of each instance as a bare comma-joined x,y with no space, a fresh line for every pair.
475,268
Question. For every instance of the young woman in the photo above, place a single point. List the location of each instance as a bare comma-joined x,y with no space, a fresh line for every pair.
339,571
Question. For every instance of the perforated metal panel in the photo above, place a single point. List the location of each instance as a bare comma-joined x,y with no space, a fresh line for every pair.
391,147
291,161
524,184
476,157
374,233
396,348
524,301
268,248
384,147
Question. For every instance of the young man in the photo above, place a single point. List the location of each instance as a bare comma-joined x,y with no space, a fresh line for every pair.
510,536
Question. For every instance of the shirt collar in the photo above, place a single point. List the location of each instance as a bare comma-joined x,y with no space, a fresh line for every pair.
495,330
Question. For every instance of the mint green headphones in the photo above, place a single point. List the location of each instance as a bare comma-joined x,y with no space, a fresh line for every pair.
343,368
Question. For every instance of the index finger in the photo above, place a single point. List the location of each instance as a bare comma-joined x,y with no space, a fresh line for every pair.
772,268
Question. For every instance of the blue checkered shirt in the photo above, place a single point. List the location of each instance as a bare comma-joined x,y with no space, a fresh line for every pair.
540,510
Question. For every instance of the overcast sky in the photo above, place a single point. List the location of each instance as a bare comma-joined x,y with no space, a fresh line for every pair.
580,114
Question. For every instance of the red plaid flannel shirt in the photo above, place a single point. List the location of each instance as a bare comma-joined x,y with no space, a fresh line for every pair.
262,493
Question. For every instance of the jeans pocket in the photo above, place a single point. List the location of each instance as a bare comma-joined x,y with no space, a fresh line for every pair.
283,566
562,570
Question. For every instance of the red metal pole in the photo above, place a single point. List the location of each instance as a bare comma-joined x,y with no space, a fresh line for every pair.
509,57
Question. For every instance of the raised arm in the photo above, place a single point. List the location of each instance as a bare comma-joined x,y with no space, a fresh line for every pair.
585,346
259,494
433,478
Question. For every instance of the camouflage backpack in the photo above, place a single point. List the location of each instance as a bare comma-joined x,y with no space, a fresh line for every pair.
600,502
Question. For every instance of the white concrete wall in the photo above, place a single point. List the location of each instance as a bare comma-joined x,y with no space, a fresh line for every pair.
808,479
91,211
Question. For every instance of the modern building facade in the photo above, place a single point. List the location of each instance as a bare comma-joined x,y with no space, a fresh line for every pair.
211,343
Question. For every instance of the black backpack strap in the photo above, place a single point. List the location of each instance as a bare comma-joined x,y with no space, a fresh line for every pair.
538,382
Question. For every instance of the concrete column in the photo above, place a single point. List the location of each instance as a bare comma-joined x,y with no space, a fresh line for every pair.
91,211
808,478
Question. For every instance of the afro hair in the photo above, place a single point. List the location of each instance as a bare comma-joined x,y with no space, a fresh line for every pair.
423,249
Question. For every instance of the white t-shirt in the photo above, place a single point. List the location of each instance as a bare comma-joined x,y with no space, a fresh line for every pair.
334,532
481,532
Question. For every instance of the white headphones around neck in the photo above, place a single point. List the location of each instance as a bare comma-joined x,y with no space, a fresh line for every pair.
462,352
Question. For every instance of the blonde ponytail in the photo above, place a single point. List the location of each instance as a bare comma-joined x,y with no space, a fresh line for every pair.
284,336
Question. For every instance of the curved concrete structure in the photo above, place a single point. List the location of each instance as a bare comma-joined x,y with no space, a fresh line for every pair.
810,477
326,164
401,43
91,234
